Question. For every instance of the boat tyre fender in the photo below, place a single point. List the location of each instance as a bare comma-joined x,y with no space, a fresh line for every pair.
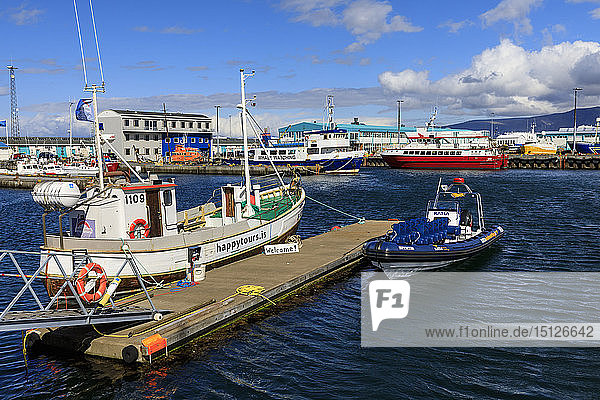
137,226
83,285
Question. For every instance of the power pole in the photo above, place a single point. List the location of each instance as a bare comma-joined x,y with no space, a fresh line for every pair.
575,90
167,130
217,128
14,109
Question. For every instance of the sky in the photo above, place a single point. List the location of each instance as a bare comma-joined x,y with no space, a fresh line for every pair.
468,58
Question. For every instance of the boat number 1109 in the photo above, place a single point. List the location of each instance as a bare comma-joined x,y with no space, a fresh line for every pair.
134,198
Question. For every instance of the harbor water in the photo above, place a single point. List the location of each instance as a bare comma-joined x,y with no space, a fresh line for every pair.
309,347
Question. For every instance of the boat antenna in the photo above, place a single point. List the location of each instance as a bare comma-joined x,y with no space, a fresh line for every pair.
432,118
94,88
243,77
97,46
80,43
437,193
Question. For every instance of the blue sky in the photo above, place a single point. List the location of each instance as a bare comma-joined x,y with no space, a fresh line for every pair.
509,57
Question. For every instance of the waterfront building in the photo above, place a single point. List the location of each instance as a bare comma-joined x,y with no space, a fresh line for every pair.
228,147
563,137
80,147
154,136
370,138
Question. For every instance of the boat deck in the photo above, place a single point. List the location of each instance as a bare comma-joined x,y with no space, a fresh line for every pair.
203,308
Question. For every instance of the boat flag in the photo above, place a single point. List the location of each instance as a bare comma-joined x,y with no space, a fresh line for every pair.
83,112
3,123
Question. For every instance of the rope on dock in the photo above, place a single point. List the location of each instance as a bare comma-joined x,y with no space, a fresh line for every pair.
361,220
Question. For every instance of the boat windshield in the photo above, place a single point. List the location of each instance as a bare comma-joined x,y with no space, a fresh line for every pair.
442,205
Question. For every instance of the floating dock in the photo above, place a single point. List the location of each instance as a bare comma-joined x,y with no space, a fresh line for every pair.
228,293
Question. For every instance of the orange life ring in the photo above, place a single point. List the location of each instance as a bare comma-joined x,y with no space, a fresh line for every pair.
134,226
81,281
336,228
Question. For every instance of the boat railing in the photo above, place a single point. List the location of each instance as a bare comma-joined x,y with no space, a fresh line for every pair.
44,315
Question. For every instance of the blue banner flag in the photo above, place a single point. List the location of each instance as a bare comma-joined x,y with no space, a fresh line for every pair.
83,112
3,123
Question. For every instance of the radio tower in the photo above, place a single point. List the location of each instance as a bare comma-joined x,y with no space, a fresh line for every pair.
14,110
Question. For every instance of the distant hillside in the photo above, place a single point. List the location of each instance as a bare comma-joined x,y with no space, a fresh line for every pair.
585,116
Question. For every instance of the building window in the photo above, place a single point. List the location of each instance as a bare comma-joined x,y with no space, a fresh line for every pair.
147,151
127,152
137,137
190,124
207,125
173,124
167,140
147,137
127,136
136,122
199,125
146,124
126,122
156,137
155,151
192,140
175,140
183,124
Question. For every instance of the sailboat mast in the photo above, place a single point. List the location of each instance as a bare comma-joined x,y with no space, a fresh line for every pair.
97,136
245,136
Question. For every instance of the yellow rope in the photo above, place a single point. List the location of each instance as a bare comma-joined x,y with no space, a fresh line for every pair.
246,290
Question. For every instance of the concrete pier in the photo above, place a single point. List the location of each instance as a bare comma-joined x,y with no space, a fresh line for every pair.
214,302
29,181
255,170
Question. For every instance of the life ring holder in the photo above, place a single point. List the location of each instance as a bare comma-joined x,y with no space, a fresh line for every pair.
134,225
80,282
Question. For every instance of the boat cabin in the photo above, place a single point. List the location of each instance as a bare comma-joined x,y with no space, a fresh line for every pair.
131,211
456,202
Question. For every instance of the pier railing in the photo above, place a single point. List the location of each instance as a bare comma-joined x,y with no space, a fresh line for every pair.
44,315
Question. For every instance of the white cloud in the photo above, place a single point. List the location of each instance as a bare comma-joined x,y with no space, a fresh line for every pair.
595,13
366,20
515,11
25,16
508,80
454,27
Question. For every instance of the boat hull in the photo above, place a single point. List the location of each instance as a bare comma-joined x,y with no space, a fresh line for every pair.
445,162
345,165
587,148
389,255
171,258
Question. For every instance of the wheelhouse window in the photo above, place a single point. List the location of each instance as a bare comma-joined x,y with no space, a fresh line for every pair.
168,197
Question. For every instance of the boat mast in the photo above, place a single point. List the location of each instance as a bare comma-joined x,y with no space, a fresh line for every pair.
243,78
94,89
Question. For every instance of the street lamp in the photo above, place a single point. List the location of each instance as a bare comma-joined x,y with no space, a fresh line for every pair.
217,130
575,90
399,117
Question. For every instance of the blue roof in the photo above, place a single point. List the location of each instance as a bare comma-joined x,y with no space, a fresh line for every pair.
313,126
3,145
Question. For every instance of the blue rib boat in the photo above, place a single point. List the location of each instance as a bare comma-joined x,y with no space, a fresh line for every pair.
447,234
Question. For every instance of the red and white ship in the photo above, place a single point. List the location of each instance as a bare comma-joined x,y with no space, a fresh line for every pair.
443,148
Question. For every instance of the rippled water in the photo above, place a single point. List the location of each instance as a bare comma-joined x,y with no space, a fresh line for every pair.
310,348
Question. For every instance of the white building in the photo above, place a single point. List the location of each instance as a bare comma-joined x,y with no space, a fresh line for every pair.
154,136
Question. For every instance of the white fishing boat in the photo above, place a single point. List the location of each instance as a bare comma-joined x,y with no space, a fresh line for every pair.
140,219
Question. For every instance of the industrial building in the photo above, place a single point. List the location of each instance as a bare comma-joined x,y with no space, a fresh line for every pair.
155,136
